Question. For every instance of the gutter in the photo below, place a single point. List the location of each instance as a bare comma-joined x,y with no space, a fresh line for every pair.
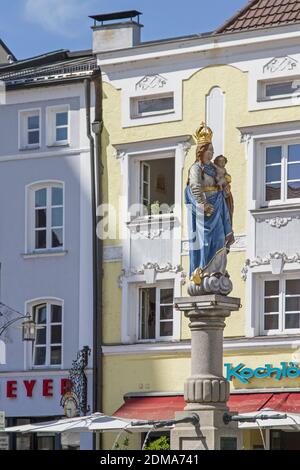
98,356
97,248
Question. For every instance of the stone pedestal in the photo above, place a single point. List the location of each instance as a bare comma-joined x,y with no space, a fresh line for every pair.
206,391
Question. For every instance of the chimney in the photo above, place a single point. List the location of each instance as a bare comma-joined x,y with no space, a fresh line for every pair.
117,34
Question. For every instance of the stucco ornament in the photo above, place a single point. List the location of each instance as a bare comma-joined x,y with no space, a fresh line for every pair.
210,208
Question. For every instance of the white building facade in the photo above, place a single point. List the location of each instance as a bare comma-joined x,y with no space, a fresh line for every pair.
45,240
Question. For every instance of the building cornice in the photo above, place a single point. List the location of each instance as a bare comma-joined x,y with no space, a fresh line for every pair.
230,345
253,39
39,373
59,153
151,145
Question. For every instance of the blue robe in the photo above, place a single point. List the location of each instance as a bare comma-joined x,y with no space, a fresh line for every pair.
207,235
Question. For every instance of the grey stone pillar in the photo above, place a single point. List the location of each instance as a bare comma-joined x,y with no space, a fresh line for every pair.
206,391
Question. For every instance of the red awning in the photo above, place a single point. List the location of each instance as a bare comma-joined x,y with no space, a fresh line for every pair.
165,407
289,402
148,408
244,403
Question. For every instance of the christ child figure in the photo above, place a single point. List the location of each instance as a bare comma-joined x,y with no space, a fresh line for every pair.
223,180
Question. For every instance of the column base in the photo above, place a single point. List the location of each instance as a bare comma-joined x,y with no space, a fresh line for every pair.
210,434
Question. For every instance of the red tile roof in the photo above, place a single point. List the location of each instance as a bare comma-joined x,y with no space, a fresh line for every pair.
263,14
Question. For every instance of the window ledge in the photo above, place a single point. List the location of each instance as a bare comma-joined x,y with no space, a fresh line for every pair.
29,147
47,367
149,219
152,114
58,144
277,98
280,207
44,254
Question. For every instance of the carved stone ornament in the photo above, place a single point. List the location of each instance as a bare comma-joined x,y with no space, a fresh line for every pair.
150,234
150,270
151,81
280,64
245,138
159,269
278,222
184,147
277,260
120,154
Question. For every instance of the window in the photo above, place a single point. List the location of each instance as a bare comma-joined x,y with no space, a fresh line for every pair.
157,185
58,125
145,184
47,348
46,218
61,126
152,105
29,129
281,89
282,173
281,305
155,313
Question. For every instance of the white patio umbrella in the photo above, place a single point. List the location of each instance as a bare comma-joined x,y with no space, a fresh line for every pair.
97,422
287,421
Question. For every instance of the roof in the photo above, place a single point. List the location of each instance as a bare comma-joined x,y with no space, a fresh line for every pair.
46,58
259,14
53,66
4,46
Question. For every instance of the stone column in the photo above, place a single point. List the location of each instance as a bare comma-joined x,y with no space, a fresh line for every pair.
206,391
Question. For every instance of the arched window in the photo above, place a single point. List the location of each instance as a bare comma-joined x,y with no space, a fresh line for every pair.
45,217
47,347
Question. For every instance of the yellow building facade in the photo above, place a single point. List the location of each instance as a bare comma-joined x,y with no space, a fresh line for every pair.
155,96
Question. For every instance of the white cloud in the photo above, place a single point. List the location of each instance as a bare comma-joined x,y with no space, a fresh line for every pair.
58,16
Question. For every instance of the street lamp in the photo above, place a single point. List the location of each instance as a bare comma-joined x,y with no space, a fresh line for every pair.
28,326
28,330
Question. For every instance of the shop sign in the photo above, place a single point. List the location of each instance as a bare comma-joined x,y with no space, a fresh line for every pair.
244,374
2,420
4,442
70,404
11,388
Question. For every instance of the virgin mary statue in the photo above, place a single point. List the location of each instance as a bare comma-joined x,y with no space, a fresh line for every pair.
209,221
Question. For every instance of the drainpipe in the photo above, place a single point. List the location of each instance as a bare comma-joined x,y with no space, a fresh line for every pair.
97,126
96,198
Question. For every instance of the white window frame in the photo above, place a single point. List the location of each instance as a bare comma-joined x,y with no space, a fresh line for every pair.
134,105
284,173
136,181
282,279
262,89
145,181
51,112
30,307
159,286
24,131
30,217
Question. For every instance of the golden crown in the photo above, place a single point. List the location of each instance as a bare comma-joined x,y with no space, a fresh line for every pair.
204,134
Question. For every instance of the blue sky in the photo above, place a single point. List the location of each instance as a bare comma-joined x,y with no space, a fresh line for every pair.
32,27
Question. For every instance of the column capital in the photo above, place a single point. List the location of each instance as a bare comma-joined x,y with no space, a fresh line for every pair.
210,305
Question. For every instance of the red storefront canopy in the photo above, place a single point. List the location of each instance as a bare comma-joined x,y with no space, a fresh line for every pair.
164,407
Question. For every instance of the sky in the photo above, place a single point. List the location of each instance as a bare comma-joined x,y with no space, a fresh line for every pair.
32,27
